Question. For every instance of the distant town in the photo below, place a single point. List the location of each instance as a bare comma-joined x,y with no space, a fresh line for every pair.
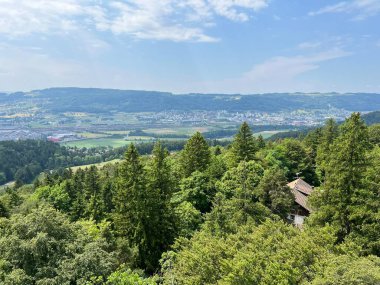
64,127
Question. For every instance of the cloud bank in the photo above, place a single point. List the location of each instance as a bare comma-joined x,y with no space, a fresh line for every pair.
175,20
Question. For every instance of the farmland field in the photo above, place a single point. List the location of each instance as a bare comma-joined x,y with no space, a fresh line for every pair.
267,134
98,165
88,143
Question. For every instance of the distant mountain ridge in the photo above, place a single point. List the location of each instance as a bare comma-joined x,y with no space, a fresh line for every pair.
96,100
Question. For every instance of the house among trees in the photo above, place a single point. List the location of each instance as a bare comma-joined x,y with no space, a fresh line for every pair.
301,191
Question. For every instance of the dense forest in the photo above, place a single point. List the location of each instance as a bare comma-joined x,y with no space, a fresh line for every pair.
23,160
371,118
204,215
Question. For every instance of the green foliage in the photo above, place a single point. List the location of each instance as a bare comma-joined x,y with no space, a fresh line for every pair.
195,155
56,195
92,190
43,247
272,253
241,181
350,270
274,193
3,178
345,200
198,190
228,215
143,215
128,277
206,215
188,219
244,145
25,159
3,210
374,134
328,135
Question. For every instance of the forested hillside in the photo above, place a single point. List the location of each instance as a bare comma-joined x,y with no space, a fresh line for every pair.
25,159
204,215
95,100
371,118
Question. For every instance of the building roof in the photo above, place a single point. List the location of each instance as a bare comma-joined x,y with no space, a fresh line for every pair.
301,200
301,191
301,186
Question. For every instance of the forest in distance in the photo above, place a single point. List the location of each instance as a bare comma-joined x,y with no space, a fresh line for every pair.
199,213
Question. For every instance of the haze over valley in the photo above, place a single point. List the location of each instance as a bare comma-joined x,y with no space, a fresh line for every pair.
80,114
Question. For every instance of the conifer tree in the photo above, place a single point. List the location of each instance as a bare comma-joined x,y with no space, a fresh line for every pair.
94,209
345,169
260,142
244,145
160,174
107,194
196,155
78,200
130,193
135,210
328,134
161,231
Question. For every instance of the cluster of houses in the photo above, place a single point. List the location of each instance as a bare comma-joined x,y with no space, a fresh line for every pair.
15,135
63,137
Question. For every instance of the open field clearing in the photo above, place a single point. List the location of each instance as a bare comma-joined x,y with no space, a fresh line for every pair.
98,165
112,142
267,134
88,143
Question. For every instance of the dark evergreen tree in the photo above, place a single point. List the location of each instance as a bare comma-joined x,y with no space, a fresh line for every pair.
244,145
196,155
341,195
135,209
108,194
78,197
160,231
260,142
93,195
328,134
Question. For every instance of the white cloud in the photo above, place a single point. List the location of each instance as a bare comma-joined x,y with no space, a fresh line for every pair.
177,20
278,74
361,8
230,9
42,16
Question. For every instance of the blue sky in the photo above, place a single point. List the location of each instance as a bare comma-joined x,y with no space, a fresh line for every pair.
222,46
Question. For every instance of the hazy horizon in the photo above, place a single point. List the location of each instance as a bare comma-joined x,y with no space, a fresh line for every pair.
190,93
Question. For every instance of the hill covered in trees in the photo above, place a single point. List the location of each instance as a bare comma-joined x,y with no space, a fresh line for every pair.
204,215
105,100
23,160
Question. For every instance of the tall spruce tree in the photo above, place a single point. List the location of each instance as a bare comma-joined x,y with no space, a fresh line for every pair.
196,155
339,200
328,134
78,199
135,210
161,231
94,209
244,145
